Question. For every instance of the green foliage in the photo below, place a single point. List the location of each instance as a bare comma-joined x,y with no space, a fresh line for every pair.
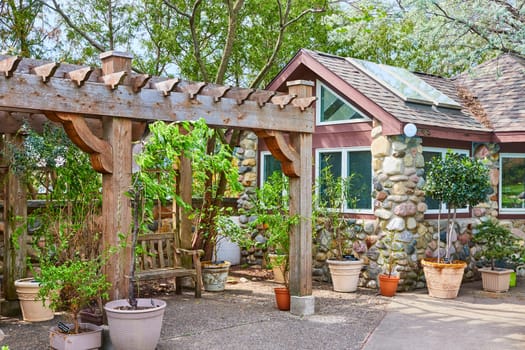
271,213
159,169
66,229
457,180
72,284
496,240
333,193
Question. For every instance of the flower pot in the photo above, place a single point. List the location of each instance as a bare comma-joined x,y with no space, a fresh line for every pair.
497,280
33,309
512,282
215,275
90,337
443,280
135,329
282,298
388,285
345,274
278,267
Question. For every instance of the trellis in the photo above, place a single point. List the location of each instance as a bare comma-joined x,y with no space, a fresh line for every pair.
104,110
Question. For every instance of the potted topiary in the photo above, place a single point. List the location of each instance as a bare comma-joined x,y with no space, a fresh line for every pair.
389,280
497,243
333,194
457,181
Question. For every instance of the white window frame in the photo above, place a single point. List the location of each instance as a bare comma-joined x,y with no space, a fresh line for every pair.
318,109
344,170
261,175
443,151
500,185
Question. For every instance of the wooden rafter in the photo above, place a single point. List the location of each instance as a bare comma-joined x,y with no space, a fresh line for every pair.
78,131
282,150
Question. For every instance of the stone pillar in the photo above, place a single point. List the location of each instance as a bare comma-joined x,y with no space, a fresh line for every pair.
399,206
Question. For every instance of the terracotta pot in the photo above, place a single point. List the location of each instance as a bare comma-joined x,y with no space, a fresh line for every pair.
282,298
443,280
388,285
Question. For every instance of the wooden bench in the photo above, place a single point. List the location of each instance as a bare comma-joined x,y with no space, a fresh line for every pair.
161,259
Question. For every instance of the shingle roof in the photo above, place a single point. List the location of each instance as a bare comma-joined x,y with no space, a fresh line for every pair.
499,87
404,111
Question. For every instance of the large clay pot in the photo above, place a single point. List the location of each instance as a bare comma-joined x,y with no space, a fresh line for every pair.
497,280
388,285
33,309
215,275
135,329
345,274
89,338
443,280
282,298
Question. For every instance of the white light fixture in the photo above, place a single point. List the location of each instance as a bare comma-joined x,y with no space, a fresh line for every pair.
410,130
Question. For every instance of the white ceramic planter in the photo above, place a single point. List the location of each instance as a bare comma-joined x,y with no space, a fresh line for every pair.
345,274
89,338
135,329
33,309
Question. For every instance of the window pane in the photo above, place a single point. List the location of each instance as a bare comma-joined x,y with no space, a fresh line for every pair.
431,203
512,182
360,169
335,109
271,165
332,161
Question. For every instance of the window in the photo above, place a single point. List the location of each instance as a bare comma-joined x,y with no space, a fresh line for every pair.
512,183
428,154
350,162
269,165
333,109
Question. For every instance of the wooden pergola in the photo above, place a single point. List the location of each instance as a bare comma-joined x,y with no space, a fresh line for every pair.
104,110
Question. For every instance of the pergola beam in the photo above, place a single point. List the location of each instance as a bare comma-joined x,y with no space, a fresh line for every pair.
95,99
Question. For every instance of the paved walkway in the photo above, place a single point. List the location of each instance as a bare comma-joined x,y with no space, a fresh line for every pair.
245,317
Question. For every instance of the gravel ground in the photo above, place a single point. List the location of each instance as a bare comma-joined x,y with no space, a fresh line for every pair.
244,316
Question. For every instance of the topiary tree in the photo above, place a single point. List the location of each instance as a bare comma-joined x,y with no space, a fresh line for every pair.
458,181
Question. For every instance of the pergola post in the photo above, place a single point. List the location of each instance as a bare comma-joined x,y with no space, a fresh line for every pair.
116,209
15,251
302,300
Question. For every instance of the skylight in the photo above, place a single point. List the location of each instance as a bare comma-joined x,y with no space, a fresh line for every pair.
405,84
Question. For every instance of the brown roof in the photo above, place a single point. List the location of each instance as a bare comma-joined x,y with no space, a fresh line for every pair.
499,87
405,112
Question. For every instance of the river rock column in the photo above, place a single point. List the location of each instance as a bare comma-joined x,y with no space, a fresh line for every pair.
399,205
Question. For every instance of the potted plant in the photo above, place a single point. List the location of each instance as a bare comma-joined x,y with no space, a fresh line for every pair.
270,210
389,280
333,194
497,243
457,181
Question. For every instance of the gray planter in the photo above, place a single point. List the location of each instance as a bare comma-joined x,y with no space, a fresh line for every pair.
135,329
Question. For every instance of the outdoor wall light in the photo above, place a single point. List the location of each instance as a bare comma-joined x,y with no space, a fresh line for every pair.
410,130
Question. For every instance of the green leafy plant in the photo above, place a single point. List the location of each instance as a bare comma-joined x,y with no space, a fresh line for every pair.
388,256
333,194
496,240
270,208
66,229
458,181
213,174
